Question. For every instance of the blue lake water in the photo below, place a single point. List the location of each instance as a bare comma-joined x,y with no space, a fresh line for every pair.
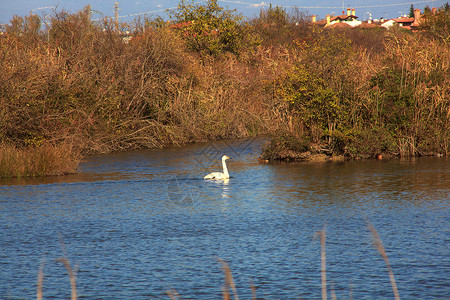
137,224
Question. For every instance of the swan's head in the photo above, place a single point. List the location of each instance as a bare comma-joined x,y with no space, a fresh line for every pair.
225,157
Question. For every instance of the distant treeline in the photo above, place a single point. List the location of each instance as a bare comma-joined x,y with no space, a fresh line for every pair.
77,87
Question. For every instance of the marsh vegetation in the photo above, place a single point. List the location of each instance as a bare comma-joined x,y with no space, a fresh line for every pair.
209,74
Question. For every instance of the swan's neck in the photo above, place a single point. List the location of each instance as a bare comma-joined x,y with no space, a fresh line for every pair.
225,169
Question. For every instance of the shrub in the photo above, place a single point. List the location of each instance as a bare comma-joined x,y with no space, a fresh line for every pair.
437,24
308,98
276,27
210,29
286,145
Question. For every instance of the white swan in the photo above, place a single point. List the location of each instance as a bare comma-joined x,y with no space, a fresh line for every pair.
220,175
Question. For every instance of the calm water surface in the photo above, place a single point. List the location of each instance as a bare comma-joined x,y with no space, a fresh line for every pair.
137,224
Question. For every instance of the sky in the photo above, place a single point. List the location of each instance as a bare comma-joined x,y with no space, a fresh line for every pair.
129,9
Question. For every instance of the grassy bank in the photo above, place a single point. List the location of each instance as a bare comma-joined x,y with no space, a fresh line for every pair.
209,74
44,160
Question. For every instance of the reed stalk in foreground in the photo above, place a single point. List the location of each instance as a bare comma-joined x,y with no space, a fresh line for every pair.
72,274
40,282
379,246
253,287
173,294
73,283
323,260
229,282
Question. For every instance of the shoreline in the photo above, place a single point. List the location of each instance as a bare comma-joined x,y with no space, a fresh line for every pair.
80,88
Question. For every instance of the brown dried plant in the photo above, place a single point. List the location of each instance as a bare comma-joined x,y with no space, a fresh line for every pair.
378,244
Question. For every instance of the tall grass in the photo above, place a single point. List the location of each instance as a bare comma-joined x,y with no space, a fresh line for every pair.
378,244
44,160
229,289
70,271
323,261
72,277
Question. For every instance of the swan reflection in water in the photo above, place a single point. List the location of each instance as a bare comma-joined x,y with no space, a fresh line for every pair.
225,188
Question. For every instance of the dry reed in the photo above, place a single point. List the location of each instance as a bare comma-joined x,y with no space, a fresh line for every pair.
229,288
40,282
72,277
378,244
253,288
71,273
323,260
43,160
229,282
173,294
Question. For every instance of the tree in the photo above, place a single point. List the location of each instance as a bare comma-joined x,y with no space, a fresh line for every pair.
411,11
446,7
209,28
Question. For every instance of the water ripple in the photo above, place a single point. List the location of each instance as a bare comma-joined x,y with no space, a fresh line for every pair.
137,224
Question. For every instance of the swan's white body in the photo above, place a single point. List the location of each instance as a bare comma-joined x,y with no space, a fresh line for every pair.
220,175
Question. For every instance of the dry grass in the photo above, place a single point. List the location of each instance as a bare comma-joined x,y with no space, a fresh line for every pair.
229,289
173,294
73,281
44,160
229,282
71,273
378,244
323,260
40,282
